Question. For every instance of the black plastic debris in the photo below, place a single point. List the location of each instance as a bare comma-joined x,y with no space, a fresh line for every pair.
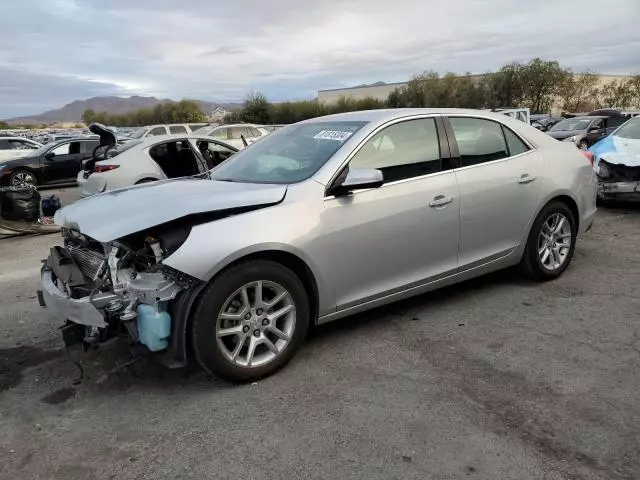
50,205
20,203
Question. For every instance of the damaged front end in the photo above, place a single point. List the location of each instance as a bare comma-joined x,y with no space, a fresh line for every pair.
618,181
118,289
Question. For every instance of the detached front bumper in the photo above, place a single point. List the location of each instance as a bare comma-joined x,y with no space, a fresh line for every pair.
83,311
626,191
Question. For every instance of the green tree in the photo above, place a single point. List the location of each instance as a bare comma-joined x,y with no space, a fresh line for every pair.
89,116
542,81
579,92
256,109
618,94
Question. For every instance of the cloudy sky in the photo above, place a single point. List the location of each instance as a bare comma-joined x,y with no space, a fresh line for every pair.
56,51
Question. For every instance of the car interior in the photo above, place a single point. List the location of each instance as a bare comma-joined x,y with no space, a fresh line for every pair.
176,159
213,154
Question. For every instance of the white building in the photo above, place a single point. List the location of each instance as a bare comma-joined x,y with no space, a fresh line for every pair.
218,114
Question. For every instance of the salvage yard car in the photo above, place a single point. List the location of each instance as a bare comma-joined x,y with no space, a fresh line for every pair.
317,221
617,163
53,163
234,134
14,147
581,131
151,159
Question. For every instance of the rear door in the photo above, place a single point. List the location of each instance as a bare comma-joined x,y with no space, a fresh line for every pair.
500,181
63,162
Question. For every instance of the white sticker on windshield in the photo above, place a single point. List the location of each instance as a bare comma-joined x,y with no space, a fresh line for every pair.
332,135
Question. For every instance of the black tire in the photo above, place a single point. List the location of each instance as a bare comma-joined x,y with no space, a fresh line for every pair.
531,264
582,145
211,301
17,173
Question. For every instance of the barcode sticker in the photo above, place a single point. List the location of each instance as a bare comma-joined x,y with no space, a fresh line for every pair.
332,135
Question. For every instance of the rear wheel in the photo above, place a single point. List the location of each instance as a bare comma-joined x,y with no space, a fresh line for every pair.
22,178
551,243
250,321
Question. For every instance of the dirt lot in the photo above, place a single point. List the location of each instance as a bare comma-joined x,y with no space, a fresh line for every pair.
498,378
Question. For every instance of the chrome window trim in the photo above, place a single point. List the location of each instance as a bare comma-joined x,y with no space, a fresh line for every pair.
500,160
527,143
390,184
491,119
373,133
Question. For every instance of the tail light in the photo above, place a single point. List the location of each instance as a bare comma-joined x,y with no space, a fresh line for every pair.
104,168
589,155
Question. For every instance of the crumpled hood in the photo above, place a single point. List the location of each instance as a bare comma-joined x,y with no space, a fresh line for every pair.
562,134
117,213
617,150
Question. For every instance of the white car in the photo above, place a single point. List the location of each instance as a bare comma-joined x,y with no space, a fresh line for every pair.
168,129
233,134
150,159
15,147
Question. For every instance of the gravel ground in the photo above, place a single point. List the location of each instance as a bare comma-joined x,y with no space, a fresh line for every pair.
497,378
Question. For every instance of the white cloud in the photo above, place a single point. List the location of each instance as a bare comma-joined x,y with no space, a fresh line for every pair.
290,48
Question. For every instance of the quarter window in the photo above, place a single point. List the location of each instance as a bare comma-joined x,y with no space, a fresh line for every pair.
403,150
478,140
515,144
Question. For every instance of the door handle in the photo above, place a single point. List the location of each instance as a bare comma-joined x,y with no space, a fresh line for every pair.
526,178
440,200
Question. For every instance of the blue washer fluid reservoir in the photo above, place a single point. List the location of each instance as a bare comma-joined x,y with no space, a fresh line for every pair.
154,326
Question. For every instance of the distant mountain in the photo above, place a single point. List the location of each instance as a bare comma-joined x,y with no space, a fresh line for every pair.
73,111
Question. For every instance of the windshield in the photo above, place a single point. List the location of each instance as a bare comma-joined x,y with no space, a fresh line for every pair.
572,124
631,130
139,133
289,155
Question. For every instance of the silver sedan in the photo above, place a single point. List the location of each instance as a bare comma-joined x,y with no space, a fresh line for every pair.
317,221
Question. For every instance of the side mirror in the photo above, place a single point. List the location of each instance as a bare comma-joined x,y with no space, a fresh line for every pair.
49,155
358,179
594,129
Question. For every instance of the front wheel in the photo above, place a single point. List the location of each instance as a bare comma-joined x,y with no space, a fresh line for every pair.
23,178
582,145
250,321
551,243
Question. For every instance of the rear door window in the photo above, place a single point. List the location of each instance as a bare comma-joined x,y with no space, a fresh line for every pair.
177,129
157,131
236,132
86,148
479,140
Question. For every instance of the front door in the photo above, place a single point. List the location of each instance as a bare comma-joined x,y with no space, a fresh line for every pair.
62,163
500,183
380,241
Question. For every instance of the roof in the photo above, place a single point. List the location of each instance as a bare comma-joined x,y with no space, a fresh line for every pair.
385,115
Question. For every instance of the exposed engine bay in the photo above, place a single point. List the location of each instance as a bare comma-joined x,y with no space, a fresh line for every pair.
618,181
115,289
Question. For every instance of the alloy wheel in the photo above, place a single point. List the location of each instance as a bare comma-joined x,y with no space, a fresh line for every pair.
22,179
256,323
554,242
